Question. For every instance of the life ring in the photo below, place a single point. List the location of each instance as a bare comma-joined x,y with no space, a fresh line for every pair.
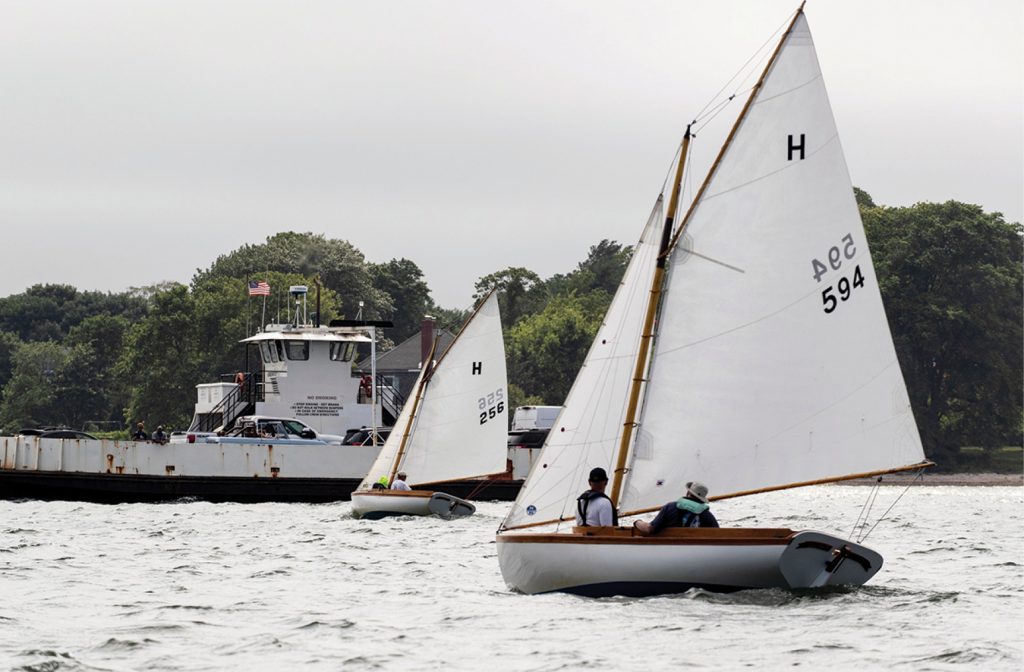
366,385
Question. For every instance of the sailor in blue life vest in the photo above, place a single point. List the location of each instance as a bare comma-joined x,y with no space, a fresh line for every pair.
690,511
593,507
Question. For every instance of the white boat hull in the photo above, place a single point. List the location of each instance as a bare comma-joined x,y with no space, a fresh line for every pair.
612,561
376,504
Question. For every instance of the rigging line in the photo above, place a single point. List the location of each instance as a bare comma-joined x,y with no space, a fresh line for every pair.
920,476
671,167
722,106
865,510
755,55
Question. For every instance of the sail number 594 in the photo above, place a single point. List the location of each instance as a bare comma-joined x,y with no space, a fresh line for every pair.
835,257
491,406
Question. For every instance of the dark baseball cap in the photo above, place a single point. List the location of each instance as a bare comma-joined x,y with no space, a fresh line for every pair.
598,474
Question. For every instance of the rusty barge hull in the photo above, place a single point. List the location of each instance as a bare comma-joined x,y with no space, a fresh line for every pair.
127,471
122,489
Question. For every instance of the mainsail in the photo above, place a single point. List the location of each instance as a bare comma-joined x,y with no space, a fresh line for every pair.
589,427
773,361
460,427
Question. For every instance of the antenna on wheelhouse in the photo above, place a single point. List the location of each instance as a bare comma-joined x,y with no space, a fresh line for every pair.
299,292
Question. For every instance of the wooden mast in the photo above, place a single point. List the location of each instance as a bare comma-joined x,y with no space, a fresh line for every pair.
648,329
426,379
407,430
735,127
668,242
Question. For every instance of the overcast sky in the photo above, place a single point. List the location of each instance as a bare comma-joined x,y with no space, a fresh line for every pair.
140,140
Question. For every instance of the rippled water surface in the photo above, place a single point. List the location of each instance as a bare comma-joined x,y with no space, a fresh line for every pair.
198,586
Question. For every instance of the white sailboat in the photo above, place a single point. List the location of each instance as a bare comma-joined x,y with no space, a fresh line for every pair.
747,349
455,428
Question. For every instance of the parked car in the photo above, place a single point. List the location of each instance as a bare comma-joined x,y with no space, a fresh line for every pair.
530,438
361,436
55,433
261,427
286,428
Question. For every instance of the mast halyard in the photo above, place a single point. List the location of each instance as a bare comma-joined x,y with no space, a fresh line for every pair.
648,329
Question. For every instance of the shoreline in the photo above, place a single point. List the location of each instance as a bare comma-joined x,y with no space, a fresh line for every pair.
986,479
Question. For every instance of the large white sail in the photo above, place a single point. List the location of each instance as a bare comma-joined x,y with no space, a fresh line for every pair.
461,427
773,361
589,427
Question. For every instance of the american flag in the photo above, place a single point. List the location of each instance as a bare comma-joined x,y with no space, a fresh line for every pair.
258,288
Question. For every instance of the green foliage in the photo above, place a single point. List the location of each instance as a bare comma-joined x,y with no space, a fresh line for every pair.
520,292
89,388
402,280
30,397
601,271
951,278
864,199
517,398
8,344
545,350
451,319
341,267
49,312
160,361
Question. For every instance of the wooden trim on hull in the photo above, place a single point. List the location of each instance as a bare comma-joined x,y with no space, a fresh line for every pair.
612,562
722,536
394,493
377,504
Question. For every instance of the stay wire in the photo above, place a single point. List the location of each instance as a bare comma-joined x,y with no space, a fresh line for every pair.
865,511
920,476
755,57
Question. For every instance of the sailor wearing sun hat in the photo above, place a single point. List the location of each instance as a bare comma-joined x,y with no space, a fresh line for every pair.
690,511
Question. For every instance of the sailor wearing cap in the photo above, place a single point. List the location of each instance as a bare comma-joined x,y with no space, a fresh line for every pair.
593,507
690,511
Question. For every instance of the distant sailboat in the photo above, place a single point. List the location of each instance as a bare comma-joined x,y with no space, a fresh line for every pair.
749,350
454,428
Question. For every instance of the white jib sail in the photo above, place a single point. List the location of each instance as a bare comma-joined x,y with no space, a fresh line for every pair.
461,427
588,430
386,457
773,361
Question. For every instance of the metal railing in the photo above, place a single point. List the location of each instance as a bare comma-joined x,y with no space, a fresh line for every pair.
238,402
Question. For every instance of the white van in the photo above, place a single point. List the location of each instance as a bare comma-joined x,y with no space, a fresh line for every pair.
534,417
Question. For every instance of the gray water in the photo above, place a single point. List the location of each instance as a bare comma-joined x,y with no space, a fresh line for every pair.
198,586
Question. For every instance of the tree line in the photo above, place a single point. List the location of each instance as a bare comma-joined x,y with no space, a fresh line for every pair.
950,276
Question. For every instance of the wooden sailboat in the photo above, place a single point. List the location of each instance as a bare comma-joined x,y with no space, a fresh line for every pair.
747,349
455,427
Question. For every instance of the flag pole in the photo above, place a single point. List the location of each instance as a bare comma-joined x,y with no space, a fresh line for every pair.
263,317
248,307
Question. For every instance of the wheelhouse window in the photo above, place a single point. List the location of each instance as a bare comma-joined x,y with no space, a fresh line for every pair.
268,352
342,352
297,350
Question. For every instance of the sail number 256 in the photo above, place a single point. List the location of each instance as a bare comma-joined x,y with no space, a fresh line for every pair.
491,406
